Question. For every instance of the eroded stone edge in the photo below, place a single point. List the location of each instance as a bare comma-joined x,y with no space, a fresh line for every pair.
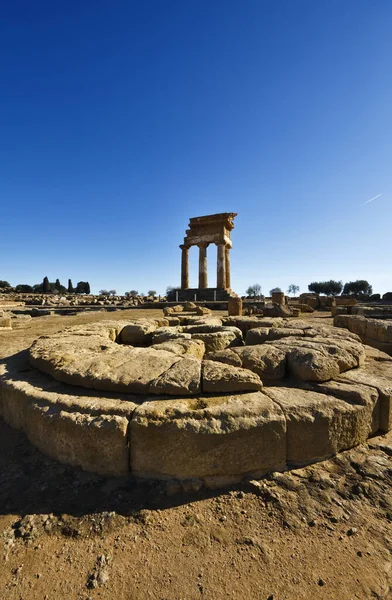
35,412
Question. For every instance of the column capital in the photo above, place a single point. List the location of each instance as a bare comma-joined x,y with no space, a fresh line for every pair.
184,246
203,244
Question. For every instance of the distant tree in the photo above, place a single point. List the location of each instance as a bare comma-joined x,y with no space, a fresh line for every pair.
83,287
103,292
254,290
58,285
151,293
46,286
38,288
70,287
275,290
112,292
4,284
133,293
293,289
358,288
329,288
23,288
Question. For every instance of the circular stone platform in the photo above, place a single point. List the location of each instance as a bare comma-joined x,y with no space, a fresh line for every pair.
203,399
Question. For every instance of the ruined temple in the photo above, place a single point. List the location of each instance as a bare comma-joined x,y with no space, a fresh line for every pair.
203,231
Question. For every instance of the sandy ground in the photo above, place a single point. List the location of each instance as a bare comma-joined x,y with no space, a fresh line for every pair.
323,532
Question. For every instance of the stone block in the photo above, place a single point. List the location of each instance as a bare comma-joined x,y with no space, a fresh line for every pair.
234,306
212,437
97,444
320,425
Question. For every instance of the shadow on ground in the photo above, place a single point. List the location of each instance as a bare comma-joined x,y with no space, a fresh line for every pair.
31,483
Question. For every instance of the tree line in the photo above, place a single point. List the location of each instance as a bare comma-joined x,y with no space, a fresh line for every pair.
360,287
48,287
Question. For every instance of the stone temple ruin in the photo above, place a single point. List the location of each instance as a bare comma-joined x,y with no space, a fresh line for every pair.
203,400
203,231
200,400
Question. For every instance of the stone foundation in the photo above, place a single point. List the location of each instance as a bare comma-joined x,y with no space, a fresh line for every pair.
170,429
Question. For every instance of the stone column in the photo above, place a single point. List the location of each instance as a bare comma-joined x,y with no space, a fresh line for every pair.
184,267
203,275
228,280
221,266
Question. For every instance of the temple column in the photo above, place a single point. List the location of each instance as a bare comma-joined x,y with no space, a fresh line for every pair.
221,266
184,267
227,258
203,275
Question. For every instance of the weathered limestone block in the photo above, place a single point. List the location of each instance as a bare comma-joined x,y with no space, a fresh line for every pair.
377,375
69,428
89,363
218,377
320,425
246,323
164,334
183,347
182,378
319,359
97,444
278,298
188,306
304,308
137,335
170,310
276,310
5,321
266,361
209,438
260,335
257,336
379,330
357,394
203,310
234,306
218,340
311,300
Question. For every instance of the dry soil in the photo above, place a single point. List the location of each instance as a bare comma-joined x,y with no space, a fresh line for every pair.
323,532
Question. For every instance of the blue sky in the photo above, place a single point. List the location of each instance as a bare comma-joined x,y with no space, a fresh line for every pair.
120,120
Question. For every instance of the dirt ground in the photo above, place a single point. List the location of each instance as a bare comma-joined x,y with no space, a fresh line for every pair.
323,532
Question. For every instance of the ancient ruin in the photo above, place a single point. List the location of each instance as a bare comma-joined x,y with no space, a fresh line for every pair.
197,398
203,231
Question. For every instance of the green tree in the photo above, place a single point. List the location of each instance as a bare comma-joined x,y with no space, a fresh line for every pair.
103,293
359,288
275,290
133,293
4,284
23,288
83,287
151,293
254,290
329,288
293,289
112,292
58,285
46,286
70,287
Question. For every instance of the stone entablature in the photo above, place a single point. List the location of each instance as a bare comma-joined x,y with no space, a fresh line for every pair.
203,231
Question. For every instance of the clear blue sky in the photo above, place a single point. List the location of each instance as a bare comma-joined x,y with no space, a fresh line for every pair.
120,120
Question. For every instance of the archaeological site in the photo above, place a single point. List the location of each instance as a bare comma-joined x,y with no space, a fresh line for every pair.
280,405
